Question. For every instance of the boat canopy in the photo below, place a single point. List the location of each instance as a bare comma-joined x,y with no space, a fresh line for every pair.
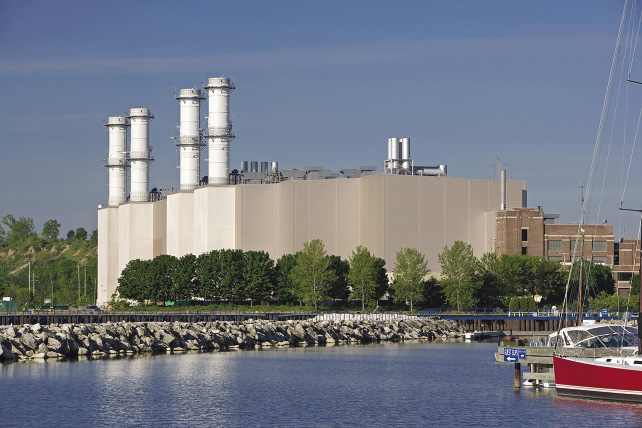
596,336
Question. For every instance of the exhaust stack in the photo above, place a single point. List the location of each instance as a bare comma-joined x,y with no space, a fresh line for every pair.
117,160
219,128
189,139
140,153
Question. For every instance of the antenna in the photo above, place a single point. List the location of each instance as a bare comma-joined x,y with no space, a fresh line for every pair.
499,165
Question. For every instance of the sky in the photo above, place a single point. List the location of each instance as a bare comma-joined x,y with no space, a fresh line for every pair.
318,83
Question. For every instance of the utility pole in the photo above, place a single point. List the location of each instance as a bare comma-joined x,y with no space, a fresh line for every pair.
85,282
29,279
78,266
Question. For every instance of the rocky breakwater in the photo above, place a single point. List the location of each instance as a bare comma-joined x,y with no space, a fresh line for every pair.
70,340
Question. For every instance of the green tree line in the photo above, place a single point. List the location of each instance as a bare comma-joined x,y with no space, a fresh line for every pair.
311,276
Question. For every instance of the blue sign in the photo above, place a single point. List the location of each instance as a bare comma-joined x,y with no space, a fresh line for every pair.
604,312
512,355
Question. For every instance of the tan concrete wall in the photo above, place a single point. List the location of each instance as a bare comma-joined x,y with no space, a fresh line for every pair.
180,223
382,212
107,253
214,218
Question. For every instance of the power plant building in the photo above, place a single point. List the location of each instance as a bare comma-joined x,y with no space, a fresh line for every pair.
278,211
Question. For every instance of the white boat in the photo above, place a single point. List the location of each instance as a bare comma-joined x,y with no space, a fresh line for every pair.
595,336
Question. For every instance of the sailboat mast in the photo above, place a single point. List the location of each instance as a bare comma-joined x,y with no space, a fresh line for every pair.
579,304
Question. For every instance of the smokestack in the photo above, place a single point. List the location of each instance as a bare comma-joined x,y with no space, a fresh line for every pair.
502,179
219,128
117,160
189,138
139,153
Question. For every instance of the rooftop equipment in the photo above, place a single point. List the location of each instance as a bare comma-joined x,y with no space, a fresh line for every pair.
140,153
189,140
117,160
219,128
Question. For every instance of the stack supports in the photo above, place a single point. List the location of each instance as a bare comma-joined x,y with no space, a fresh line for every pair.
116,161
189,140
219,129
140,153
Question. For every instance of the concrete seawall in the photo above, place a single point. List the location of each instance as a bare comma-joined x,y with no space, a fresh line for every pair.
68,340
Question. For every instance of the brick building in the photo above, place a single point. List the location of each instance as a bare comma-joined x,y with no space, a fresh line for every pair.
531,231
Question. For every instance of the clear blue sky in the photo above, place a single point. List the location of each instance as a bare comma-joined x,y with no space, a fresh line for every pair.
318,83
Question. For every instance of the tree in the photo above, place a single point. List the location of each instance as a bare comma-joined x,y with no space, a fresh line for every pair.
93,238
362,276
232,275
458,271
209,275
160,278
409,272
313,273
70,235
383,283
433,293
338,289
285,287
184,278
81,234
133,282
50,230
18,230
259,276
598,278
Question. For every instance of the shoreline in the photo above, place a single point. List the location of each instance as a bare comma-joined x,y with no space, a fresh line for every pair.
63,341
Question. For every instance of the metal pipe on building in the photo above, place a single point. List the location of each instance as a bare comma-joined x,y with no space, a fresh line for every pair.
117,160
394,152
244,166
139,153
254,166
502,179
189,140
219,128
264,167
405,153
274,167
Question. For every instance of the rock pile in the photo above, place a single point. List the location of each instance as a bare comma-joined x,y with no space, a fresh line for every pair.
67,340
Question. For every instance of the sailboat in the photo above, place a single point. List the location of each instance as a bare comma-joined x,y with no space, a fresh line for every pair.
615,377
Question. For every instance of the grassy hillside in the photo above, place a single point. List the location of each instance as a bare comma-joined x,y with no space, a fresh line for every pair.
53,262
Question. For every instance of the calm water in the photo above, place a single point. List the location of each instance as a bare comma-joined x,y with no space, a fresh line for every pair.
416,384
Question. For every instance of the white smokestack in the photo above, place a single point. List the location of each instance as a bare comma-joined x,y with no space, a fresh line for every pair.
139,153
117,160
219,128
189,139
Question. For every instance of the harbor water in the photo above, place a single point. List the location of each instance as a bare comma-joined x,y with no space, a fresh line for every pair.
440,383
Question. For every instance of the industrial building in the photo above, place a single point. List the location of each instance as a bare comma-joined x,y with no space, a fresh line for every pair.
277,211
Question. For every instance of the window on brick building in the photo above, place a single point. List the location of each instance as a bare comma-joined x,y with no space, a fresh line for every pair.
524,251
599,259
599,245
576,245
624,276
555,245
555,258
524,234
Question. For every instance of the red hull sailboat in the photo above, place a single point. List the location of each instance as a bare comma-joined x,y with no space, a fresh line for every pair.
611,378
